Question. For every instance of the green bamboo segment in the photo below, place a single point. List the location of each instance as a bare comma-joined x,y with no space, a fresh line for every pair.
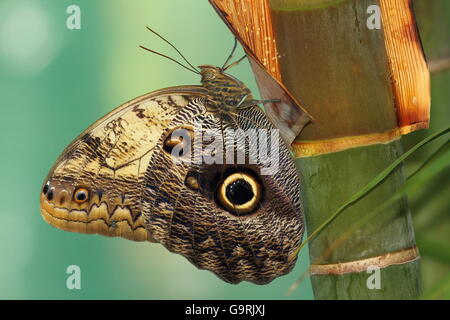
339,69
342,66
435,164
354,286
324,192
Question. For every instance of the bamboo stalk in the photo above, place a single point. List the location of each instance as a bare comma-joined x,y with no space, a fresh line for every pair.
341,71
364,88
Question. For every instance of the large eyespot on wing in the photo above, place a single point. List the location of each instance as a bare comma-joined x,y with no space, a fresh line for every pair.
96,184
226,218
239,193
240,225
81,195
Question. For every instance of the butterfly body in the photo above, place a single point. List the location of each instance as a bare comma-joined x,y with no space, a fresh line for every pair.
224,91
121,178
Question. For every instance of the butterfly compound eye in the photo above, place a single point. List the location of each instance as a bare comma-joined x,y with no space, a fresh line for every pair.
81,195
240,193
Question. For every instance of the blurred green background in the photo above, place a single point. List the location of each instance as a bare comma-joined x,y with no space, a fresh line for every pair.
430,204
54,82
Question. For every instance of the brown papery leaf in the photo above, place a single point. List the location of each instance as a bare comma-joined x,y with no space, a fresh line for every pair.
250,22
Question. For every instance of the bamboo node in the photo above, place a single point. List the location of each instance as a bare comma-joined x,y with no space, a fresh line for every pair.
382,261
303,149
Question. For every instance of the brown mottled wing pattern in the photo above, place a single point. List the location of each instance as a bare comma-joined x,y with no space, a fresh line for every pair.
137,191
254,248
110,159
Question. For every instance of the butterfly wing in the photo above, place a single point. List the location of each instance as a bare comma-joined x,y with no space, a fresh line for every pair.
109,160
196,220
121,178
286,115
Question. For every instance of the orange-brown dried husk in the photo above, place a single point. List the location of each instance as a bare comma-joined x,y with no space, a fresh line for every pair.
411,78
283,110
251,22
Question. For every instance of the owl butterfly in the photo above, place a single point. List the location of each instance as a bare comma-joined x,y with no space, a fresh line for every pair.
122,178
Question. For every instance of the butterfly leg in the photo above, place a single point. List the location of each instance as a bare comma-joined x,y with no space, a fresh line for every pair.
231,54
234,63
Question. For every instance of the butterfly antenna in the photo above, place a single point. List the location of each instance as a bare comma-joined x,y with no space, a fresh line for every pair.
230,56
173,46
234,63
170,58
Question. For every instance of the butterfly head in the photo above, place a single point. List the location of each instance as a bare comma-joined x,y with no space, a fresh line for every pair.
211,74
223,89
